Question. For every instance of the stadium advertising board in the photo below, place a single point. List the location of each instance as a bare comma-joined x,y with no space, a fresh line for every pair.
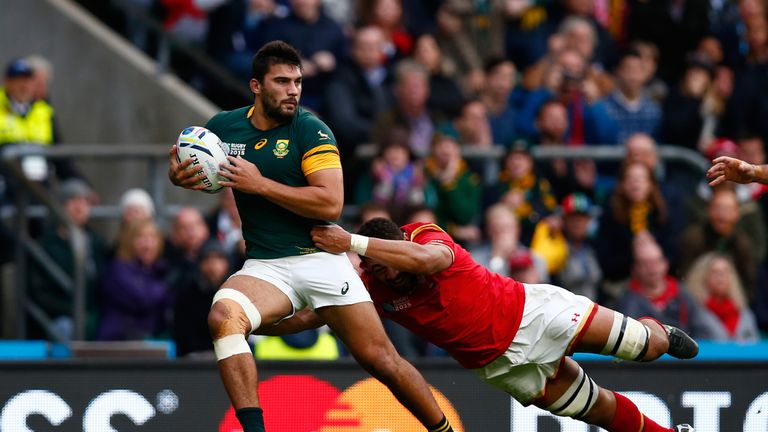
339,397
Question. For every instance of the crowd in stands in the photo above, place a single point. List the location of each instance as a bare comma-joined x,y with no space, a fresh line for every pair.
424,80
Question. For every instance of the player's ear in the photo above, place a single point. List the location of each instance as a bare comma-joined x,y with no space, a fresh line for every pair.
255,86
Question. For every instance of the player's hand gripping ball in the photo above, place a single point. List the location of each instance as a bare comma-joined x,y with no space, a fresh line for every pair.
206,151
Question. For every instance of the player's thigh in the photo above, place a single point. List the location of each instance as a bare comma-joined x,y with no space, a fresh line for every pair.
271,302
596,334
359,327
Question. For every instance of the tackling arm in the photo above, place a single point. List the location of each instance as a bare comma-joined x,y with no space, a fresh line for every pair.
401,255
300,321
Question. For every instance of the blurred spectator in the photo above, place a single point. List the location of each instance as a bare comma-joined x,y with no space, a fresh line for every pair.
641,148
751,217
748,107
580,34
629,106
720,233
483,24
224,224
56,301
502,243
42,76
456,190
421,213
135,297
636,207
655,87
233,31
445,96
372,210
714,284
410,111
193,302
579,175
690,117
496,96
396,180
387,15
652,292
26,119
519,187
523,268
458,49
472,125
187,19
567,79
676,27
363,84
187,235
318,38
135,204
581,273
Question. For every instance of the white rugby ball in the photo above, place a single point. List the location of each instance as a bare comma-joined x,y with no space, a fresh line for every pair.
206,150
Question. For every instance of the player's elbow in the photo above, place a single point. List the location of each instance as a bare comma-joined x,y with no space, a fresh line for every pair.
331,211
424,263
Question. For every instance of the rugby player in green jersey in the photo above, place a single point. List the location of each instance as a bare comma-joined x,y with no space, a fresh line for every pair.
285,171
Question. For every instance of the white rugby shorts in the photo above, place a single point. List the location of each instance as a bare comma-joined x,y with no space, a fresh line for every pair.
313,280
553,318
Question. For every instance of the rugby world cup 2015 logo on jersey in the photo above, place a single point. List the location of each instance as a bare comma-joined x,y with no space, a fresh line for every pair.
236,149
281,148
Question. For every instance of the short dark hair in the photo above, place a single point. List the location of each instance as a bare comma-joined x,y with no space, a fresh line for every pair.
272,53
382,228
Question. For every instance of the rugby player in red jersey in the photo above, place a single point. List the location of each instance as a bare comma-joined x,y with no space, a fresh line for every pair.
515,336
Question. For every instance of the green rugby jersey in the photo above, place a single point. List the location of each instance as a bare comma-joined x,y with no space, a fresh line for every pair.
286,154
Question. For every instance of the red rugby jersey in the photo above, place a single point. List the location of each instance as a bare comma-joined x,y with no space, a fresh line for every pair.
465,309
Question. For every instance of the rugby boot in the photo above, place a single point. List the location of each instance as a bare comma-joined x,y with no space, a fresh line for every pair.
681,345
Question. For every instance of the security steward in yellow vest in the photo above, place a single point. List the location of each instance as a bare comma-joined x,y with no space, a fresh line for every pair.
307,345
22,118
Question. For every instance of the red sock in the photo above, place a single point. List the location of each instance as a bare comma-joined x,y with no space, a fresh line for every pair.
629,419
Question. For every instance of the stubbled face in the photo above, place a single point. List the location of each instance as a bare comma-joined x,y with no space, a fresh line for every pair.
280,92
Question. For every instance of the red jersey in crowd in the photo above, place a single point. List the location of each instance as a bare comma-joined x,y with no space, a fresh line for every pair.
465,309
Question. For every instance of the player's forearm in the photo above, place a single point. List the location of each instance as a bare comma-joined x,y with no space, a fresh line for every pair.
761,174
313,202
404,256
302,320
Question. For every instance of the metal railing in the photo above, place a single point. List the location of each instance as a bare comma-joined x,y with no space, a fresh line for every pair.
156,157
28,248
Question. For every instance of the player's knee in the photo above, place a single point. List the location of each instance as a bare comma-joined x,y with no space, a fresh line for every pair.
232,313
578,399
629,339
224,321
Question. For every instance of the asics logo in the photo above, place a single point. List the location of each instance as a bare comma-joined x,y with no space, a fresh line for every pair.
344,288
